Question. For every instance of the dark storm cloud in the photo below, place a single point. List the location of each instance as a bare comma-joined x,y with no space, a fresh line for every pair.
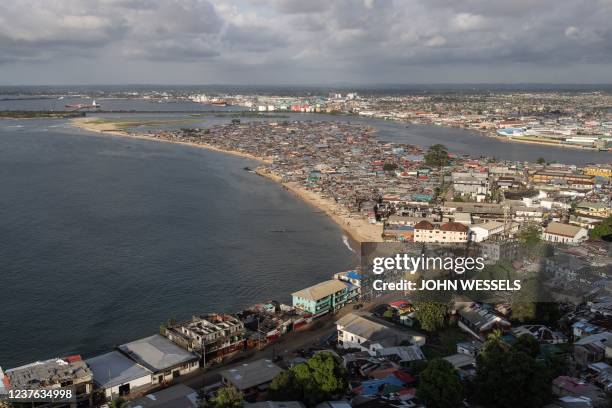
314,41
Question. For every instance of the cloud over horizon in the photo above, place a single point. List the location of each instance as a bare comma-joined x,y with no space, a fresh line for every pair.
305,42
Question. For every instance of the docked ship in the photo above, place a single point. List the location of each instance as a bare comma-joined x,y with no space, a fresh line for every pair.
219,102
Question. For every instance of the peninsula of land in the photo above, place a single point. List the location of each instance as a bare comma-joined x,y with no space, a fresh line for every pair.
357,227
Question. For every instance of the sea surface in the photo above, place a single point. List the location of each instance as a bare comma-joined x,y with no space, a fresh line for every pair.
104,238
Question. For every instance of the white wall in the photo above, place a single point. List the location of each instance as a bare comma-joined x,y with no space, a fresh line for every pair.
138,382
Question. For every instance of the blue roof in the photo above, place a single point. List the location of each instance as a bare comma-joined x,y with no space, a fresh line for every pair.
372,387
353,275
422,197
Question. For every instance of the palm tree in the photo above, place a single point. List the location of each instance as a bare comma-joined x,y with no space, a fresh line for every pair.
495,342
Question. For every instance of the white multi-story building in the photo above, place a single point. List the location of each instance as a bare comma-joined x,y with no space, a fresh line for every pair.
361,332
482,232
450,232
564,233
470,183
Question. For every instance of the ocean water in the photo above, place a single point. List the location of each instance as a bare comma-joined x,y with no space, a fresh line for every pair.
103,238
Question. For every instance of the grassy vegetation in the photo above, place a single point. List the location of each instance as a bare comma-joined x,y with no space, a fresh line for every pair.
39,114
131,123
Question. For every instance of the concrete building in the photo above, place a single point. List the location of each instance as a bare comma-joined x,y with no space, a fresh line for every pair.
214,335
479,322
177,396
450,232
64,372
353,277
495,251
2,385
250,376
361,332
564,177
591,349
541,333
482,232
162,357
564,233
117,375
470,183
404,233
598,210
325,297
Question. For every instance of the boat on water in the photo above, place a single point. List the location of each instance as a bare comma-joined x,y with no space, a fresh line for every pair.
250,170
219,102
93,105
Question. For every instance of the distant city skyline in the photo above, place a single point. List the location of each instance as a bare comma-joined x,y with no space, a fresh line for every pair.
316,43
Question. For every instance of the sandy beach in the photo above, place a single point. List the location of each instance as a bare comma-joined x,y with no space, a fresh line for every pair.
92,124
358,228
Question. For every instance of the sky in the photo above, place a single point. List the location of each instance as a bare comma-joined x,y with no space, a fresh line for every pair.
305,42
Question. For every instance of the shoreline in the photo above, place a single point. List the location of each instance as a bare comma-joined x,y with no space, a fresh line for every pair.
494,135
541,143
359,229
110,128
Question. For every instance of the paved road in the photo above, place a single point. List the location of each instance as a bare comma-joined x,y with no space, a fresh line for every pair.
285,346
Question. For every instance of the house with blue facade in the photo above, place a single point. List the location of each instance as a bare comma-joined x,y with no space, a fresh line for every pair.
325,297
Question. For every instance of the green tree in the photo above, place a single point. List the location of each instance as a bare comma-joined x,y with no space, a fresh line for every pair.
495,343
320,377
527,344
437,155
603,229
529,235
509,378
431,315
118,403
389,166
440,386
524,311
557,363
284,387
417,367
228,397
316,380
541,160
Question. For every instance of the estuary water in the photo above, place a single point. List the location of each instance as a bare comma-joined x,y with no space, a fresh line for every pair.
458,141
103,238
